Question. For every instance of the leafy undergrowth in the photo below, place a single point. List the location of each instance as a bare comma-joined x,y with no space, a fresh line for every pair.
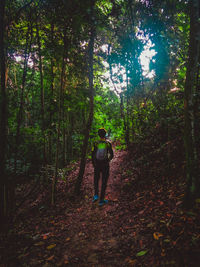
142,225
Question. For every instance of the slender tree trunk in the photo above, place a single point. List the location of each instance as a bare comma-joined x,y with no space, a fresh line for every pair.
122,112
63,126
192,171
41,94
91,112
64,146
21,107
51,96
51,112
3,125
70,131
127,134
55,178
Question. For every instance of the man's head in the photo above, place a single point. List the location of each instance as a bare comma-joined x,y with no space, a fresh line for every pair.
102,132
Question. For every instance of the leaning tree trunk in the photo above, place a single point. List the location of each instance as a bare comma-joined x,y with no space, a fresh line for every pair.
3,125
91,112
192,171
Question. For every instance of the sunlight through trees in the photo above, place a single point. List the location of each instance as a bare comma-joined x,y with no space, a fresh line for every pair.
71,67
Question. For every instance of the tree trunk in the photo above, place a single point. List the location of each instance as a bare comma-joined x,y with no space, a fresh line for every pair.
21,107
123,115
121,94
127,133
55,178
192,171
63,127
91,112
50,156
41,94
64,147
3,125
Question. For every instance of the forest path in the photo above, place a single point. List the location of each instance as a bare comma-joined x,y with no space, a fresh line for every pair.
142,224
78,233
93,237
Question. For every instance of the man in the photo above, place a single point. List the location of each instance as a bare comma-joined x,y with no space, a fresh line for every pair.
102,154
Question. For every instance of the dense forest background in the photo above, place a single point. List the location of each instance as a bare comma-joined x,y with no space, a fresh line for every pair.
71,67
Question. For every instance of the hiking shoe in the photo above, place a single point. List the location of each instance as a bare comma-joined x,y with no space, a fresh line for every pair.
95,198
102,202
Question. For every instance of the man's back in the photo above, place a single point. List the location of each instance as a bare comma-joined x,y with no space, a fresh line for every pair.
102,154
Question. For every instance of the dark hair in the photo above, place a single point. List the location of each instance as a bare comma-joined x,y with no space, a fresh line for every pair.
102,132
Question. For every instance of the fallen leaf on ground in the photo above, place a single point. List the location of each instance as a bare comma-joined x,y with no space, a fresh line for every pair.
51,246
50,258
157,235
131,262
141,253
39,243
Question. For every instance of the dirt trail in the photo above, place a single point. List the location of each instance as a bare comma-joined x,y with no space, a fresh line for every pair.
93,237
142,224
79,233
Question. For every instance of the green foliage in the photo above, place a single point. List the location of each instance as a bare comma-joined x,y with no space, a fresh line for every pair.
107,114
133,111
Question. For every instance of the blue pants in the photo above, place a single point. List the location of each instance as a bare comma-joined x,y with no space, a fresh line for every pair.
101,169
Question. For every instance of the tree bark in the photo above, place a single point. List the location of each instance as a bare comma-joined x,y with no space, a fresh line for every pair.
91,111
21,107
127,133
41,93
55,178
50,156
3,116
192,171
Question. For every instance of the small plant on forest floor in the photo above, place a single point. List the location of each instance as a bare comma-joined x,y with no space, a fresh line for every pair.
120,147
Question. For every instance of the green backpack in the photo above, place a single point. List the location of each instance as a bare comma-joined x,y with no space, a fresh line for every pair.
102,151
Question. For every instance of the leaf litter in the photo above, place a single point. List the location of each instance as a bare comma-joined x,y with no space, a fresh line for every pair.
143,224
